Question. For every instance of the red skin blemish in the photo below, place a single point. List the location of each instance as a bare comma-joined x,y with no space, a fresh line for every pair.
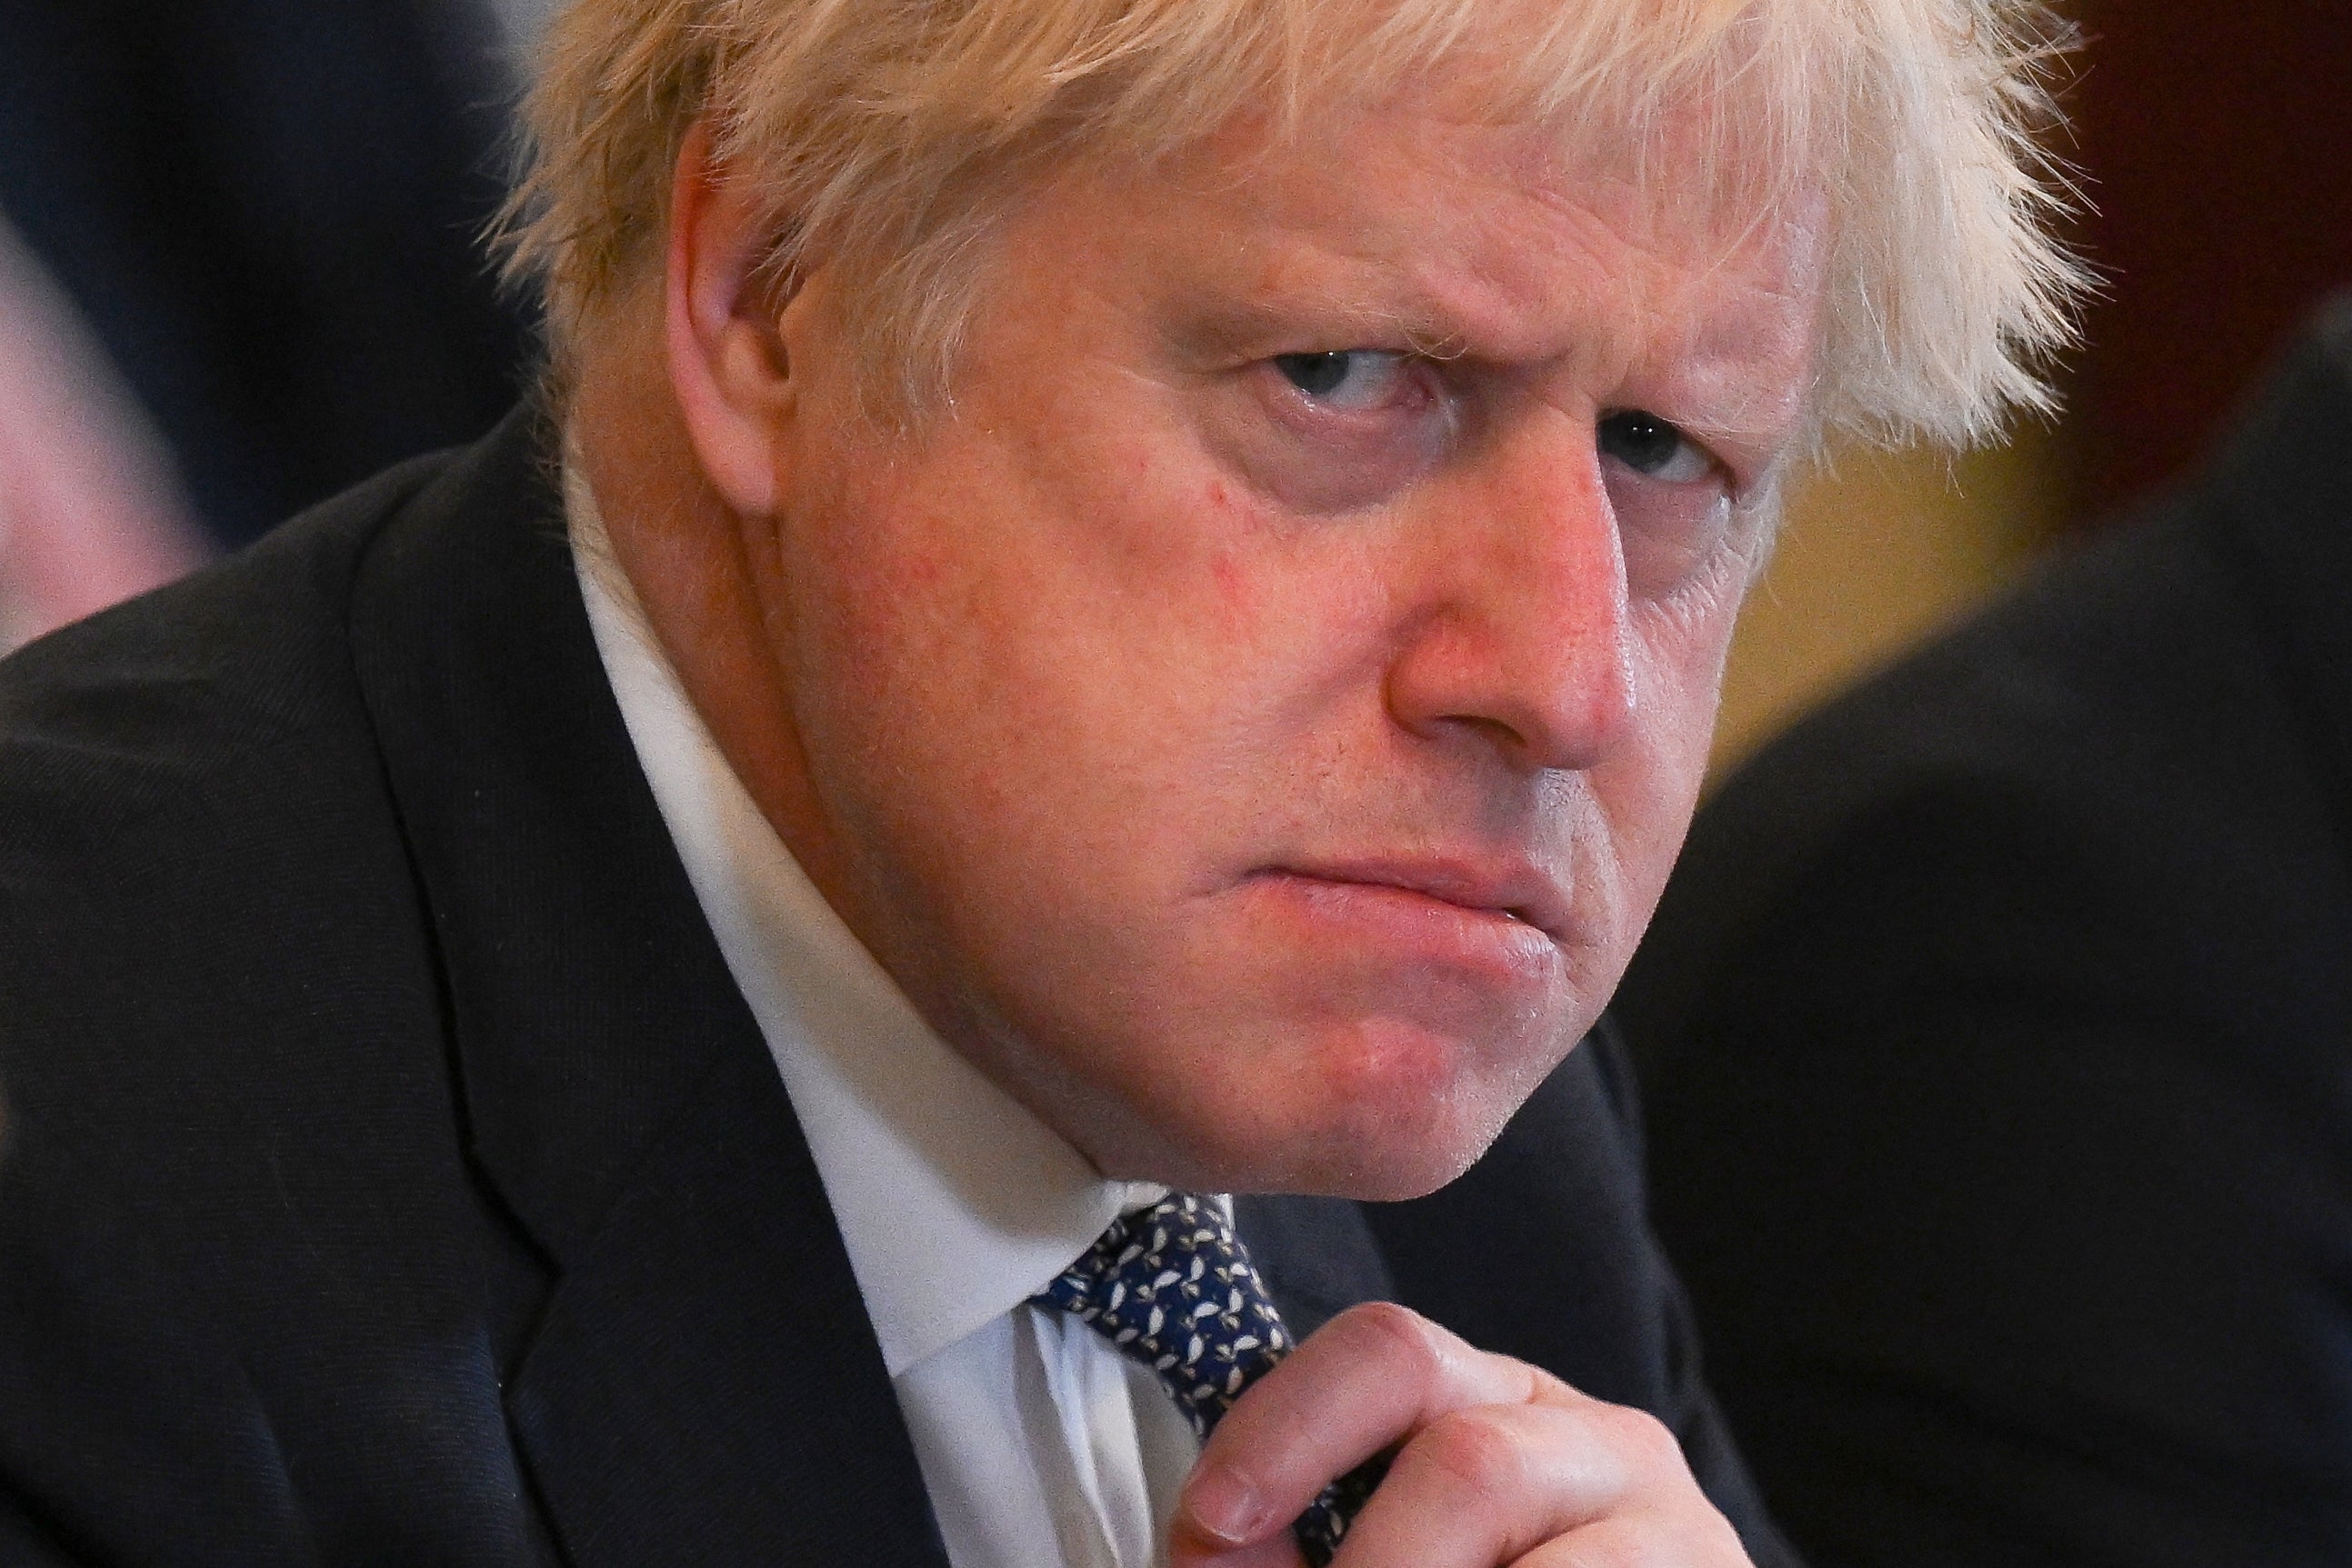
1228,576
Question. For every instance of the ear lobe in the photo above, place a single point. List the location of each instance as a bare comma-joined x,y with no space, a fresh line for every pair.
727,365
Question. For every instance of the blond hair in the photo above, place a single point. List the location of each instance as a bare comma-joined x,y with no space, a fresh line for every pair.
890,136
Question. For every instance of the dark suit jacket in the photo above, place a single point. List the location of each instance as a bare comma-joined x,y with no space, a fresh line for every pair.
1998,1035
394,1174
267,209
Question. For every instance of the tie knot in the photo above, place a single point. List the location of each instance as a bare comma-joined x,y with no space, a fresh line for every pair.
1172,1287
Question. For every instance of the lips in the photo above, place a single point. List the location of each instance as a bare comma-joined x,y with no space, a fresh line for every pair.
1513,891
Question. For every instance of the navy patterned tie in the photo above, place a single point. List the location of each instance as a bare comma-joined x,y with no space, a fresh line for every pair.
1171,1286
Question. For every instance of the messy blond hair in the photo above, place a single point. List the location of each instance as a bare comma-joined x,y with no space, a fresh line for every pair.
889,137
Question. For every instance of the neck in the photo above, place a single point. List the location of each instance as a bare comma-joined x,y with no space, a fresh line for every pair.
692,562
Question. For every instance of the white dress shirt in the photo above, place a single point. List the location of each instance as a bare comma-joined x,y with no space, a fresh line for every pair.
1039,1443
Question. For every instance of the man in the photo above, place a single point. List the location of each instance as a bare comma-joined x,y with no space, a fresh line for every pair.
1121,607
1996,1027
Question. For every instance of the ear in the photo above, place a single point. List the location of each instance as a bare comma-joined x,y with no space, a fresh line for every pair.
726,359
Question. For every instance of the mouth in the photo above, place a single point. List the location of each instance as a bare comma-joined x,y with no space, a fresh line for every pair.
1512,892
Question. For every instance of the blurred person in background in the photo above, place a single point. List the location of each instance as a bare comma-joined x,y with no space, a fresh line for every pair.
90,509
1996,1030
264,214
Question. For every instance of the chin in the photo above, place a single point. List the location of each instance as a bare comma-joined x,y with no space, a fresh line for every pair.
1383,1120
1263,1066
1345,1162
1394,1174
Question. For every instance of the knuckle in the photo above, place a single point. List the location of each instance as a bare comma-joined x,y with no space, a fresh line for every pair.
1474,1453
1646,1442
1398,1337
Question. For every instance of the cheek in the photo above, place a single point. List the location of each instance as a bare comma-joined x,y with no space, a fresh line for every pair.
1648,794
1089,677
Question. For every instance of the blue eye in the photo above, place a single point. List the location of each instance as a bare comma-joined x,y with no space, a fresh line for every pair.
1347,378
1649,446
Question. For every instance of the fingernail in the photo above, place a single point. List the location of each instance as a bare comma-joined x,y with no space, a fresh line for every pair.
1226,1506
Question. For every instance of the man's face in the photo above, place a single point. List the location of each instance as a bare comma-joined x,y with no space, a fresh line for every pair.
1255,724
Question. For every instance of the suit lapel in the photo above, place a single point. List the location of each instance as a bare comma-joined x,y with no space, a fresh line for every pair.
702,1384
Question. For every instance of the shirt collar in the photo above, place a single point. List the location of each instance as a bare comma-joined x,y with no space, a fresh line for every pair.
955,1202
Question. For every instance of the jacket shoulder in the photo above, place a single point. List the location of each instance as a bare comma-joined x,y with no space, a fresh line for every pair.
194,833
113,718
231,1170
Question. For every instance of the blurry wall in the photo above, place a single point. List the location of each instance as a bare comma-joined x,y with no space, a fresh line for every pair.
2219,140
1880,549
2216,145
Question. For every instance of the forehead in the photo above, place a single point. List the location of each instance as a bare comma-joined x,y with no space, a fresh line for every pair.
1420,220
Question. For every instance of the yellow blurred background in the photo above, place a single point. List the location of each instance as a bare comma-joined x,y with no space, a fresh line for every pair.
1879,550
2210,144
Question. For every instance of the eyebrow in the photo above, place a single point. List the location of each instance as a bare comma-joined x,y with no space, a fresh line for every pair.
1368,306
1333,304
1236,327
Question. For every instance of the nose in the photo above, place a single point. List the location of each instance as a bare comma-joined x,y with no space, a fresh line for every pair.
1521,630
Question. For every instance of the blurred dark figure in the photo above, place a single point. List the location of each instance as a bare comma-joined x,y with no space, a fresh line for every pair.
1997,1033
266,212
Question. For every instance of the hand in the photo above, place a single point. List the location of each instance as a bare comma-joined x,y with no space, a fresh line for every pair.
1497,1462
